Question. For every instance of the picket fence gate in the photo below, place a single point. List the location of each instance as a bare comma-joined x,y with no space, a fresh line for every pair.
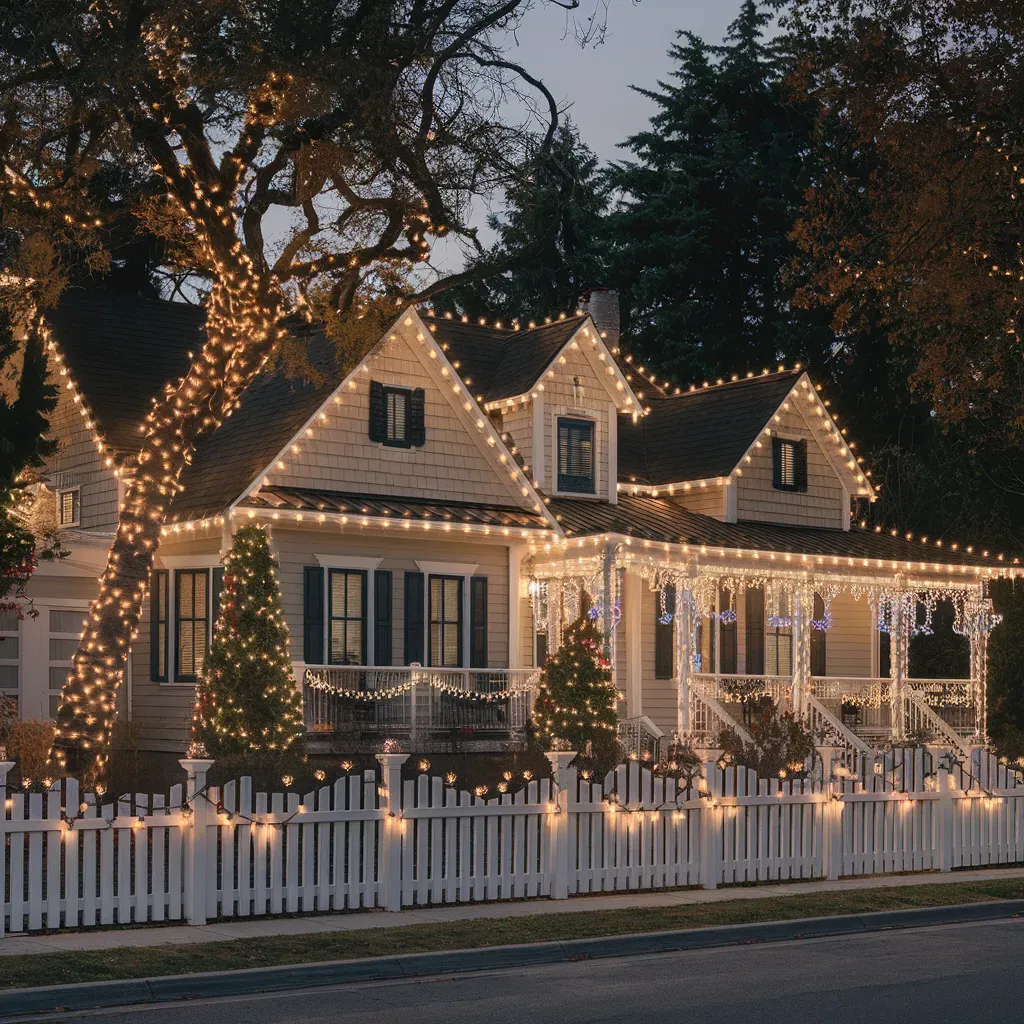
71,860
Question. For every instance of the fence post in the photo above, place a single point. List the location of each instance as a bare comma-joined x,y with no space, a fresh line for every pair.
5,767
832,832
944,808
195,838
711,825
392,830
558,820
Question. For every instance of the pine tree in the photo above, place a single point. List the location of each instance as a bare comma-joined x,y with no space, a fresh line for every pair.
575,705
246,701
552,235
701,235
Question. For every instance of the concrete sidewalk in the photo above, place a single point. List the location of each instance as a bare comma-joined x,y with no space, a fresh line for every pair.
244,928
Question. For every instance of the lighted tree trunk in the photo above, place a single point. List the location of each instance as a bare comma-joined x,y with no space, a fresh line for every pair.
241,329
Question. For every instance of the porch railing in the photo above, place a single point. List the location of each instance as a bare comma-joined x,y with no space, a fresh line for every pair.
415,701
732,688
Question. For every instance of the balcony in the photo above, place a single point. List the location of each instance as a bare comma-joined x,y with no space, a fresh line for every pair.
428,708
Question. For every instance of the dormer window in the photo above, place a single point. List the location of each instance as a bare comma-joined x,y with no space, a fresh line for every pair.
576,456
68,507
397,415
789,464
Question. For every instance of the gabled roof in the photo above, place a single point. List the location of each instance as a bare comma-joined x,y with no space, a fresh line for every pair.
121,350
700,434
664,520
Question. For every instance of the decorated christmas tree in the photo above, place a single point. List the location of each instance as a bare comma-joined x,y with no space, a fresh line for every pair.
246,701
575,706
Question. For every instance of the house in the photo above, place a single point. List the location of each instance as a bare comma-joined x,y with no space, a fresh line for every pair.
441,510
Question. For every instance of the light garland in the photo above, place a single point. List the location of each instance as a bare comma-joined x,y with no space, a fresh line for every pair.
320,680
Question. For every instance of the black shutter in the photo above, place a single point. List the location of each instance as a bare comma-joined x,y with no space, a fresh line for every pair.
478,622
728,660
776,462
818,640
218,587
800,465
417,418
664,635
542,649
313,615
755,631
158,619
884,662
413,617
382,652
378,417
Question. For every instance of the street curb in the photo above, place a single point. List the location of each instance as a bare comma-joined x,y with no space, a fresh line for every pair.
104,994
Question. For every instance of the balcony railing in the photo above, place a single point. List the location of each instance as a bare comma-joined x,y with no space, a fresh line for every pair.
416,702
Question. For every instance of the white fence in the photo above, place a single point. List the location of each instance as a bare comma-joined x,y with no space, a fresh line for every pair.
388,842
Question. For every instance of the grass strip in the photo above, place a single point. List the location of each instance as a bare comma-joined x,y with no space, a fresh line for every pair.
56,968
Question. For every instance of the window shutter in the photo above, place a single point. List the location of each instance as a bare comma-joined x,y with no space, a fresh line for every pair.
664,635
378,417
218,586
478,622
542,649
818,640
413,617
776,462
313,615
417,418
382,651
158,620
800,475
755,631
728,660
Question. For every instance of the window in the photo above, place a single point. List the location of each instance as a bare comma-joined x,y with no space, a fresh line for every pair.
10,648
789,465
191,628
754,631
66,628
446,621
576,456
347,612
818,639
158,627
778,651
728,648
664,632
396,417
68,507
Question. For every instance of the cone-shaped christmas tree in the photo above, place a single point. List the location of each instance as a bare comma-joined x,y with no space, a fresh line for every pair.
246,701
575,706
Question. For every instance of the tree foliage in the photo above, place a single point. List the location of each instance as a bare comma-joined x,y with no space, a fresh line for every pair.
246,702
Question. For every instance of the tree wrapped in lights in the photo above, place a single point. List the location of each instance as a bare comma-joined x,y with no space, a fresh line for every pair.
368,127
246,701
575,705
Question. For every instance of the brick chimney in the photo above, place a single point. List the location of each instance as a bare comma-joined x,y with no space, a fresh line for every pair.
603,306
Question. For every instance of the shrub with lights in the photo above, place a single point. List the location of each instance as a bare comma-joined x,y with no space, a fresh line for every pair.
575,706
781,746
246,703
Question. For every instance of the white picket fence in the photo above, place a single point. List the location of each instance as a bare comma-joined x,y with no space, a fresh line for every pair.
381,841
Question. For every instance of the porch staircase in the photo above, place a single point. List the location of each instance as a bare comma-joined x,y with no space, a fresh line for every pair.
827,726
918,715
709,715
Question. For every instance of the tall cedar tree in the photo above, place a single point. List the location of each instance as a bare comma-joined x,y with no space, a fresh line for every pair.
367,128
26,400
575,705
701,234
551,234
246,701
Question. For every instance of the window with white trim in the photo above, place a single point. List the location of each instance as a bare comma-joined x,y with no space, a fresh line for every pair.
576,456
396,416
445,621
191,623
346,601
69,506
66,627
10,650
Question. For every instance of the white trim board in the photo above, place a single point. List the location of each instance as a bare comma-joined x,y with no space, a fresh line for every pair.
348,562
448,568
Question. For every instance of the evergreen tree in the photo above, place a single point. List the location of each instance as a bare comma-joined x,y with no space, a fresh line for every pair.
701,235
246,701
575,705
550,240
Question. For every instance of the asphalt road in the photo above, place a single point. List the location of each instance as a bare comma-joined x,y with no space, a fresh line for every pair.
959,973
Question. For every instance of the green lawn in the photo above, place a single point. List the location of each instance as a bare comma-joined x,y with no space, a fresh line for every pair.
130,962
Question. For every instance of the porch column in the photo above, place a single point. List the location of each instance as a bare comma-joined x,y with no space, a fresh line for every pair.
684,658
899,644
978,637
632,598
608,600
803,611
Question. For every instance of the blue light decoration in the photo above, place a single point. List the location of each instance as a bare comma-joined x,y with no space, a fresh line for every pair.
824,624
666,619
779,621
729,615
